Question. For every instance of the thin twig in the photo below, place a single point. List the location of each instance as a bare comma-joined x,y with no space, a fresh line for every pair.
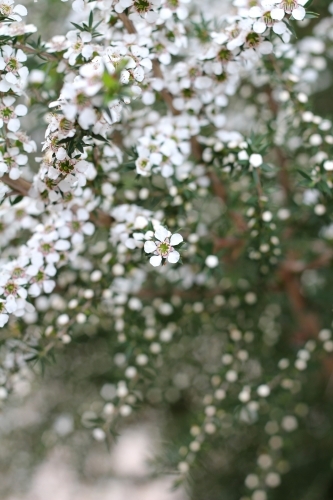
21,186
31,50
127,23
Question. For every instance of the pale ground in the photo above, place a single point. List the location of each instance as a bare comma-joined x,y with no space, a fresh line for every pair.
129,475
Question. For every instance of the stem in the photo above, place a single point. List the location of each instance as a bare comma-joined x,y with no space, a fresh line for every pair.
127,23
23,187
20,186
30,50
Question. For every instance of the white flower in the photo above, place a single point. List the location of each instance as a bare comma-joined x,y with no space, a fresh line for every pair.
11,62
41,282
212,261
266,21
255,160
7,10
3,314
163,248
143,166
9,115
328,165
11,161
263,391
294,7
79,44
142,9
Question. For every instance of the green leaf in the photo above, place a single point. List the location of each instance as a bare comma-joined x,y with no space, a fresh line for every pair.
111,84
91,19
305,175
266,167
323,187
311,15
291,27
77,26
98,137
17,200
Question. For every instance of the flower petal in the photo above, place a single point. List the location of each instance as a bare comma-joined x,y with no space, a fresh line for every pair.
150,247
155,260
14,124
21,10
161,233
279,28
277,14
259,27
21,110
48,286
176,239
3,319
299,13
173,257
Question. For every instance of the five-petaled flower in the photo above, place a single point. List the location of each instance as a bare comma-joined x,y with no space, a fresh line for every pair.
294,7
163,247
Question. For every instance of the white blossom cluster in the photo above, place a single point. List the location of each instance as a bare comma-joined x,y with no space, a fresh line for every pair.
14,143
202,85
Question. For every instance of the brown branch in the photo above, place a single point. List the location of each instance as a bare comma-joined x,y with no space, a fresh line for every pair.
289,273
308,322
297,266
217,186
283,174
196,149
282,159
166,95
30,50
20,186
235,245
127,23
101,219
23,187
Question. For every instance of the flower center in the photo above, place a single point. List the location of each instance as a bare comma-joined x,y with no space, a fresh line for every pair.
142,6
5,10
65,124
8,160
46,248
18,272
6,113
39,277
10,288
164,249
78,46
66,167
289,5
81,99
144,163
13,64
224,55
268,19
253,39
187,93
